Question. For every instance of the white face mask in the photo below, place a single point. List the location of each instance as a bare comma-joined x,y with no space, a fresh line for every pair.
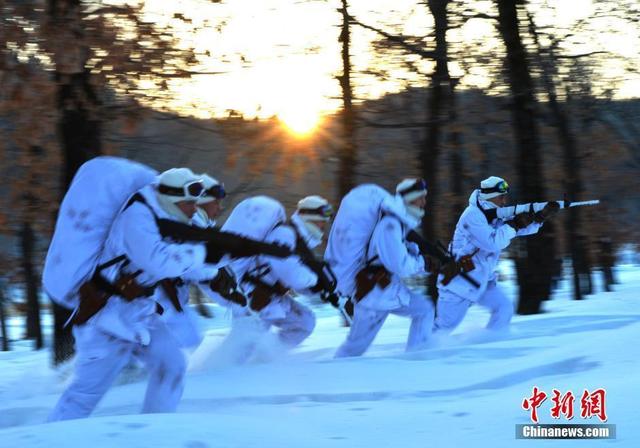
172,209
315,232
204,217
415,212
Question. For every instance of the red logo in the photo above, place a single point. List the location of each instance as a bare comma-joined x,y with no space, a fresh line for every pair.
562,404
591,404
534,403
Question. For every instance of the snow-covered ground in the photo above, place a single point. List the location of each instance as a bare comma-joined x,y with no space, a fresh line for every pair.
467,390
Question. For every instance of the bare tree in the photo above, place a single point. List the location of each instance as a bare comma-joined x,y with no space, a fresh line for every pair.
547,63
536,255
94,63
3,319
348,151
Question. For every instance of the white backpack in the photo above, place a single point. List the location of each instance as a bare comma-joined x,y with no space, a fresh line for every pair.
253,218
98,192
352,229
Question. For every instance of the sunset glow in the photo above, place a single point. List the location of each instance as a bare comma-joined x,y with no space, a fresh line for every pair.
281,58
301,122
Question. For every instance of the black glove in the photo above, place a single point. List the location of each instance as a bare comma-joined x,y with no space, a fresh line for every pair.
549,211
223,283
316,288
334,300
260,298
226,285
331,297
521,220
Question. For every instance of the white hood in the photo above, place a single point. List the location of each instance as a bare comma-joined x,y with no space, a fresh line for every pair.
311,240
395,206
474,201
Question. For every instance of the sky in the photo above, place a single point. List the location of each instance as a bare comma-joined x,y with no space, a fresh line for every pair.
281,57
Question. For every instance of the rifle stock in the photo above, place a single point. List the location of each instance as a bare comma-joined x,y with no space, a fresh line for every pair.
235,245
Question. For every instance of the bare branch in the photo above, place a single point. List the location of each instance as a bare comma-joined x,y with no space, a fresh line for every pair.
182,73
479,15
395,39
581,55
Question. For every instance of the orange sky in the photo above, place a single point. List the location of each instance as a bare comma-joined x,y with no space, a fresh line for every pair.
291,54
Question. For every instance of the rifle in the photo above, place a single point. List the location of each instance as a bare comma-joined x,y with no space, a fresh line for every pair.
436,251
224,242
532,207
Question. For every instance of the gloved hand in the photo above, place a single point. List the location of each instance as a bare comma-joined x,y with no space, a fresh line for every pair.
316,288
260,298
223,283
549,211
330,297
521,220
226,285
335,301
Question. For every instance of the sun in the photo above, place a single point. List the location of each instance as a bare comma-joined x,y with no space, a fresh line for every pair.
299,120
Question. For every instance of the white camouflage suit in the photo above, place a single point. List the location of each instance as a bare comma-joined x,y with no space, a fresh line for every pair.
108,340
402,260
473,231
294,321
184,325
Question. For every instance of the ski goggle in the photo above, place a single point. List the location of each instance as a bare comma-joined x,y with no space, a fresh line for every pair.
324,212
217,191
190,191
501,187
418,185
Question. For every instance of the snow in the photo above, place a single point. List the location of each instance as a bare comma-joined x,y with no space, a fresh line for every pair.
466,390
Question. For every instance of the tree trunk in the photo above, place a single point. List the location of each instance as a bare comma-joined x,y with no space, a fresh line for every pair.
3,323
572,173
348,156
459,201
79,134
534,278
437,111
31,280
606,253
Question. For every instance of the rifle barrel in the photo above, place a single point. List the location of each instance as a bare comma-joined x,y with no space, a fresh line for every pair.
581,203
512,210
